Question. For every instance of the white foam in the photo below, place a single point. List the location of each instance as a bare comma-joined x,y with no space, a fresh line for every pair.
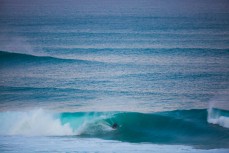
222,121
220,101
32,123
72,144
216,118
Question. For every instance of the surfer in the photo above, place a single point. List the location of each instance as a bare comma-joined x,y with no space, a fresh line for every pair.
115,126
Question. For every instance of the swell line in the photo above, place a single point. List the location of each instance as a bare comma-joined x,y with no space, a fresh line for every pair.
10,57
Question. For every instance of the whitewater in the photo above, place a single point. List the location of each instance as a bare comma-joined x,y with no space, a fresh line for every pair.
158,70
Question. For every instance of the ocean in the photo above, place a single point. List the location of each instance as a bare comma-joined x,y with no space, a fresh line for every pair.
158,70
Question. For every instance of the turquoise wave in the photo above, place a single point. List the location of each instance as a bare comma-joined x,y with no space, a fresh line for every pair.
188,127
180,127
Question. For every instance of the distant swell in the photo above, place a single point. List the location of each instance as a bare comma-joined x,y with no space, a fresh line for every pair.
175,127
17,58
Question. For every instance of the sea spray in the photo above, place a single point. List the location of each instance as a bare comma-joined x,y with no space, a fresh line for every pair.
33,123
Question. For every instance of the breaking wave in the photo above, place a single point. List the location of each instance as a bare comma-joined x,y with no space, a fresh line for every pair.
173,127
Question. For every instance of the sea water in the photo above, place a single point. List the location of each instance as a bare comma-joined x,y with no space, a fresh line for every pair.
69,71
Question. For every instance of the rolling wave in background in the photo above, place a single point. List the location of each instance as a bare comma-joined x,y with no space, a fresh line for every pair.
19,58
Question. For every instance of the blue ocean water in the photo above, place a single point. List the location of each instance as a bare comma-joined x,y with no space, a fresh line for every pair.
161,74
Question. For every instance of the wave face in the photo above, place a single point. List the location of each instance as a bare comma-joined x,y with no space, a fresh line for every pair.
188,127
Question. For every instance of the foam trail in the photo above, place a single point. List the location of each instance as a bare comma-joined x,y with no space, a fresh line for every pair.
32,123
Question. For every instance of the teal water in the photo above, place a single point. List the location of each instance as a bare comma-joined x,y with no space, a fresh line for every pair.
176,127
69,71
194,128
